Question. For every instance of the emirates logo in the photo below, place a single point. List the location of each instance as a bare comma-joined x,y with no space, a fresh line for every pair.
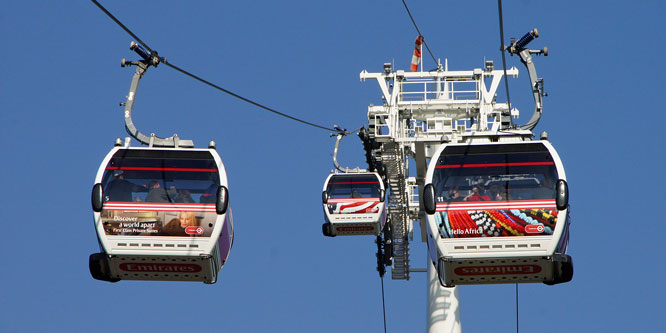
497,270
160,268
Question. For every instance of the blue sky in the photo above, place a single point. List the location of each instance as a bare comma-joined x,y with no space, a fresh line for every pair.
61,83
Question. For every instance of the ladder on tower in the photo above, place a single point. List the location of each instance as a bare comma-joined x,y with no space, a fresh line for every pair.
393,157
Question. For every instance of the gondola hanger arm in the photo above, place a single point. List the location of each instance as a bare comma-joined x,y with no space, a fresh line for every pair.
149,59
339,136
520,47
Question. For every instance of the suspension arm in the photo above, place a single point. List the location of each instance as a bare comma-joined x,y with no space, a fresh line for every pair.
152,140
536,84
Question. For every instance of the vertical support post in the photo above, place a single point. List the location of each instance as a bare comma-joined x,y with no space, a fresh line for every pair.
443,313
421,170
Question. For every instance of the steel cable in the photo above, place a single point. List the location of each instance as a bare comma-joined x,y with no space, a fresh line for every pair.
419,31
164,61
383,304
503,48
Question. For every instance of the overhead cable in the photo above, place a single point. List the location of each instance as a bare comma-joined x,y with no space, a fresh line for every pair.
246,99
163,60
383,304
123,26
517,322
503,48
419,31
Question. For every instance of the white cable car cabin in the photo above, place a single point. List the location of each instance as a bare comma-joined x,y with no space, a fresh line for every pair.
498,213
353,204
161,214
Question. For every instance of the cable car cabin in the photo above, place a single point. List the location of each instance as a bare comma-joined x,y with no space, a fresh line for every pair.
161,214
498,213
353,204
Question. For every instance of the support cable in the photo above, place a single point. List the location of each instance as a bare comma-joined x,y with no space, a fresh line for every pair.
381,268
383,304
419,31
247,99
517,308
155,60
503,48
122,26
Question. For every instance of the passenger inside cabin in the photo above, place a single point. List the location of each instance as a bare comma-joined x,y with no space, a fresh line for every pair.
498,193
120,190
184,196
546,190
210,195
356,194
156,193
454,194
478,194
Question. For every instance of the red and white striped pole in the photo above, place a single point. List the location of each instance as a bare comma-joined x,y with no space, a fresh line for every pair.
416,58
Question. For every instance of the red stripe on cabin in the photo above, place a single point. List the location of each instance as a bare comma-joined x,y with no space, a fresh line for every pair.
161,169
488,165
347,200
346,183
165,207
495,205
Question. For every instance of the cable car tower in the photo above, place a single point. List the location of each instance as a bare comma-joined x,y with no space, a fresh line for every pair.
451,126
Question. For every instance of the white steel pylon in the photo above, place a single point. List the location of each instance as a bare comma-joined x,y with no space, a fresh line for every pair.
420,111
443,313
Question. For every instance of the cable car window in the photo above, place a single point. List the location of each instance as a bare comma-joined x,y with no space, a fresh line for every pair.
486,175
495,191
161,178
160,193
359,186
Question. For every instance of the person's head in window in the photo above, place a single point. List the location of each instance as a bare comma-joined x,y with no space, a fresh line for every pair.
454,193
500,196
184,196
210,195
477,194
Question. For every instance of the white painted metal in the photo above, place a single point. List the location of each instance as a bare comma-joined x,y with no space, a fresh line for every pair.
437,106
422,110
443,315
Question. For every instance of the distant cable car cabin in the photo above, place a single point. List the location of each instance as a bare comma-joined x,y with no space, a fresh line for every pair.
498,213
353,204
161,214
